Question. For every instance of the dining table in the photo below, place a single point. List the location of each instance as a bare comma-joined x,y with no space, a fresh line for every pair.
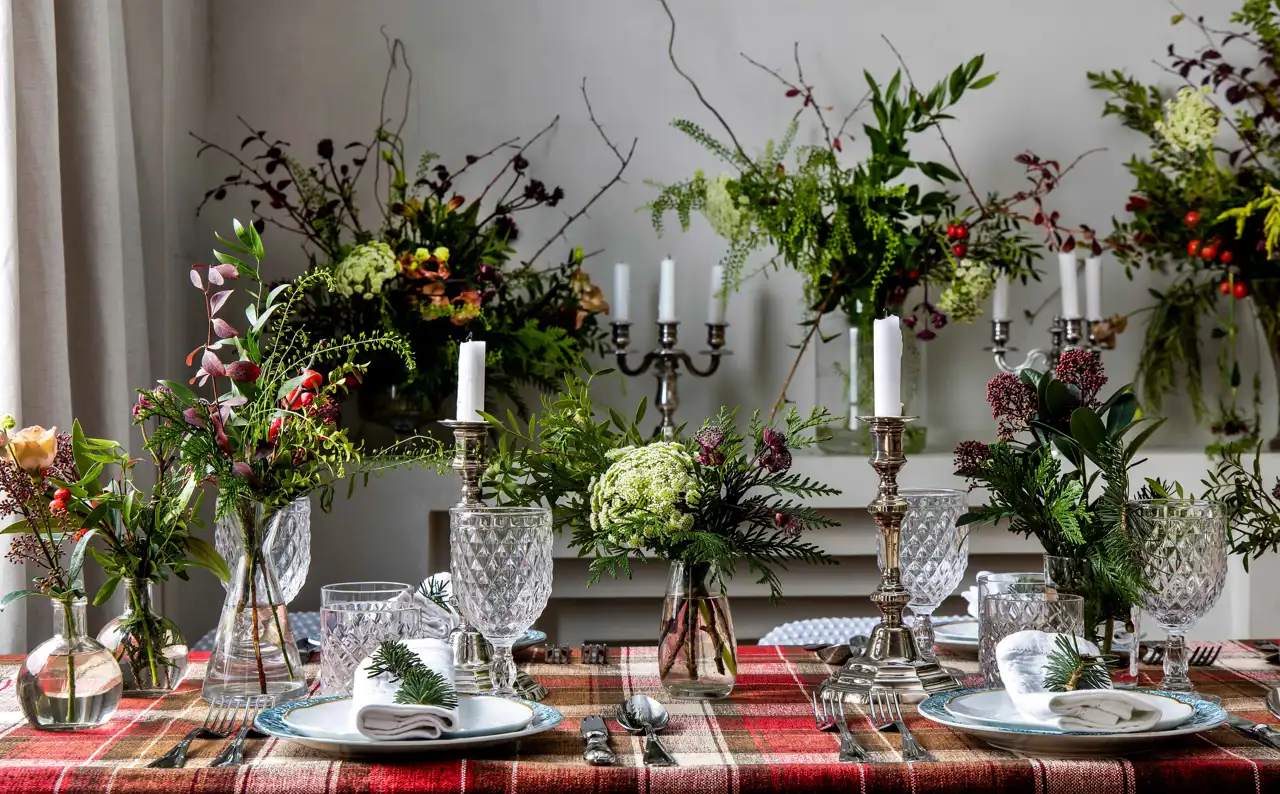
760,738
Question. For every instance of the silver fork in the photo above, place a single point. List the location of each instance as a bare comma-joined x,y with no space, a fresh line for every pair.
1200,656
822,719
850,750
234,754
886,711
217,724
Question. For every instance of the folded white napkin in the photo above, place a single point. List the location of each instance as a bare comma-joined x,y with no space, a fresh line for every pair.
1021,658
436,621
373,707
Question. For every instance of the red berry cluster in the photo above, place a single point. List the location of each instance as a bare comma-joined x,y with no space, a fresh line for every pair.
958,233
302,398
1238,289
58,505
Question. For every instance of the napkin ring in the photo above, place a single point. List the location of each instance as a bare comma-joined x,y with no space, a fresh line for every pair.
594,653
557,654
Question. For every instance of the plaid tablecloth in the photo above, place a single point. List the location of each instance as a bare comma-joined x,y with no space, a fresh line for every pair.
760,739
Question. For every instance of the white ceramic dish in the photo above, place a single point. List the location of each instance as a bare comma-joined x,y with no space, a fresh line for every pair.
1037,742
993,707
324,724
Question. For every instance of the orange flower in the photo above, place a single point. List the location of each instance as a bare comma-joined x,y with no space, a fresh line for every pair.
435,291
469,307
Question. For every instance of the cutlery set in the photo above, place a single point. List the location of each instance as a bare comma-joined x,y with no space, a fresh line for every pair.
222,720
639,714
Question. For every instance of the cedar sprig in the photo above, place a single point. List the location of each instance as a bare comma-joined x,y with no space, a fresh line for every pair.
1069,670
419,684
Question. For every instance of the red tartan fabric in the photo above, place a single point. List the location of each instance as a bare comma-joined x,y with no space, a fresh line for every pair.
760,739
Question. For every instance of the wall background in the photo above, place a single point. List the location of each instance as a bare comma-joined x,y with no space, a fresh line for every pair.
487,70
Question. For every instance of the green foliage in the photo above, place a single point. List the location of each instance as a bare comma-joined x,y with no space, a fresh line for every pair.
419,684
734,504
1253,509
1069,670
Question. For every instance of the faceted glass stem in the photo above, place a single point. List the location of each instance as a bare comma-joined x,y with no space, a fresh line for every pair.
922,628
502,670
1175,665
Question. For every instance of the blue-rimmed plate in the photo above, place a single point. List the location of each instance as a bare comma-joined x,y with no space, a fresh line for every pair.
1031,741
276,722
531,638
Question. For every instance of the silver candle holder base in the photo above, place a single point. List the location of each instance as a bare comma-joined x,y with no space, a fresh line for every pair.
891,659
471,651
665,361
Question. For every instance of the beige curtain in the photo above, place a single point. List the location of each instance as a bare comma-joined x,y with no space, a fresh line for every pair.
94,95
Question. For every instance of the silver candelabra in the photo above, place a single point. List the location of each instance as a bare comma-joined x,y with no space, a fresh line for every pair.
1063,335
470,649
665,361
891,659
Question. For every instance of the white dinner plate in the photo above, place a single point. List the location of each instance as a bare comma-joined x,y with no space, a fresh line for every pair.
323,724
994,707
1042,742
961,631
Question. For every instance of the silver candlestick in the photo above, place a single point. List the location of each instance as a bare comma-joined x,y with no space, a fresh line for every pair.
666,360
1063,335
891,659
470,649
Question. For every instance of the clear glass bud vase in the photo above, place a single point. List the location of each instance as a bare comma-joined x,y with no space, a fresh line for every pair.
287,547
70,682
697,652
149,647
254,653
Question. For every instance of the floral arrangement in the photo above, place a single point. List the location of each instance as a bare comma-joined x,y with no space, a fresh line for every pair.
864,235
721,499
434,267
1060,472
266,434
1212,163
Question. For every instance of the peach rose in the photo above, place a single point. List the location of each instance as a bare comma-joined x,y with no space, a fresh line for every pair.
32,448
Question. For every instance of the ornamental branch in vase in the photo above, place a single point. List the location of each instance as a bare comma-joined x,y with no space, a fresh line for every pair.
722,500
1060,472
866,236
266,435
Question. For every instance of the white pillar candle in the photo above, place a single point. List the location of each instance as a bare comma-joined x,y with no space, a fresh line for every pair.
1093,289
622,293
1070,287
715,308
887,366
667,292
470,381
1000,298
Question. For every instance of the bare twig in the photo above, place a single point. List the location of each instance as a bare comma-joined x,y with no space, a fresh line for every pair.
802,89
804,345
623,162
393,46
671,56
849,116
520,151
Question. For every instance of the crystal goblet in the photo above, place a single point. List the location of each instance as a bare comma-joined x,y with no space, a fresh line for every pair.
1183,545
501,571
933,555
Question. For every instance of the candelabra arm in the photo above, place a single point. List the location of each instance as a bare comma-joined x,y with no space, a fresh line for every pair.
645,363
1028,361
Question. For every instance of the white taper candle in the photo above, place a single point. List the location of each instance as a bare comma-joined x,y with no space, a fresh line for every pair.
1000,298
667,292
622,293
887,366
470,381
717,299
1093,289
1070,285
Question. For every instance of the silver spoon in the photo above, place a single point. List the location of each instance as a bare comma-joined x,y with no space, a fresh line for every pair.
1273,703
643,714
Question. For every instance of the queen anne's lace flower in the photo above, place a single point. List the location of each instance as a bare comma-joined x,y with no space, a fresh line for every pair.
962,299
727,215
655,479
1190,123
365,270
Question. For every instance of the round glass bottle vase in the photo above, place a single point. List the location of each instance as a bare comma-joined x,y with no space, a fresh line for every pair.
149,647
254,653
697,651
70,682
845,386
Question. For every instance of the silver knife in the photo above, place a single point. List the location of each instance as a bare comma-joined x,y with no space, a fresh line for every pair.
1255,730
596,734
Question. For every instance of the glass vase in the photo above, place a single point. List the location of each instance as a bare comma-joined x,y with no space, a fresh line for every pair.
150,649
70,682
697,652
845,387
287,546
254,653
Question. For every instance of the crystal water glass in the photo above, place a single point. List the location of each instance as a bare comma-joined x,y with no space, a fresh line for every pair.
993,584
356,617
501,569
1183,546
1011,612
933,556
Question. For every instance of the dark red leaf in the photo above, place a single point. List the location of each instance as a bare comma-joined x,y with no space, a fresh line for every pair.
1097,248
215,278
1209,55
259,225
191,356
194,416
243,371
836,144
793,92
219,194
325,148
212,364
228,272
241,469
247,141
1069,245
216,302
283,183
195,278
224,329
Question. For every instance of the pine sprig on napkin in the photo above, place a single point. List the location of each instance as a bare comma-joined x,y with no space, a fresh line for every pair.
419,684
435,591
1068,670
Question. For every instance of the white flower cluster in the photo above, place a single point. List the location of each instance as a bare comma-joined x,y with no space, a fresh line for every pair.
655,479
365,270
962,299
727,215
1190,123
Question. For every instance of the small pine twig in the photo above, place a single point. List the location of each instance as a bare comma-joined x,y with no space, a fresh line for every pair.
434,591
1068,670
419,684
393,658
